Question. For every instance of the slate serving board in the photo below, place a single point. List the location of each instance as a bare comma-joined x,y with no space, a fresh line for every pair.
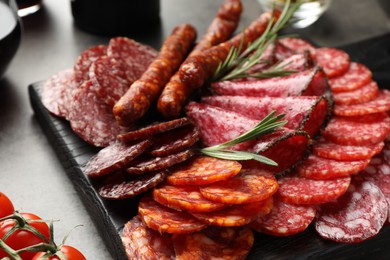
109,216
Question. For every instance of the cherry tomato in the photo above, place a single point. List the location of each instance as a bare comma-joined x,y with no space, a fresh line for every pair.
22,238
6,207
70,252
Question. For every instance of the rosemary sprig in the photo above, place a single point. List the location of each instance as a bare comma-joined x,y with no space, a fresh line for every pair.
238,62
268,125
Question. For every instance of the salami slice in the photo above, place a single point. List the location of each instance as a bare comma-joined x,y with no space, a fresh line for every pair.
167,220
250,185
282,52
380,104
356,77
335,62
297,62
202,170
143,243
159,163
298,44
236,215
114,157
299,190
285,219
364,94
185,198
174,141
327,149
119,186
153,129
85,60
92,119
214,243
358,130
354,217
322,168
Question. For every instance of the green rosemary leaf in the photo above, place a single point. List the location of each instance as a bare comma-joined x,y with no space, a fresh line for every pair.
239,156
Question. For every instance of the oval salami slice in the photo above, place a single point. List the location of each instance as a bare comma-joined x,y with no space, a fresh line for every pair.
185,198
364,94
335,62
285,219
202,170
118,186
85,60
114,157
380,104
299,190
356,77
249,185
167,220
330,150
323,169
214,243
354,217
143,243
236,215
298,44
358,130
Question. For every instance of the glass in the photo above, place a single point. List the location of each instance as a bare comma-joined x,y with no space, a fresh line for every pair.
27,7
10,33
307,14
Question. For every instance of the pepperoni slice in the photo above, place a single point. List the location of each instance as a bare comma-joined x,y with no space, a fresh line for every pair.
335,62
185,198
236,215
364,94
327,149
285,219
167,220
354,217
359,130
114,157
202,170
322,168
356,77
143,243
119,186
380,104
299,190
250,185
214,243
85,60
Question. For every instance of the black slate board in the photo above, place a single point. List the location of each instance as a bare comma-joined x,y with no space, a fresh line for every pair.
109,216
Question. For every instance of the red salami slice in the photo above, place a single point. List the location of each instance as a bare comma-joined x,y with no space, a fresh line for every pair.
327,149
354,217
167,220
299,190
109,79
202,170
285,219
249,185
360,130
356,77
282,52
306,113
85,60
214,243
380,104
236,215
335,62
143,243
297,44
364,94
311,82
92,119
114,157
322,168
297,62
185,198
120,186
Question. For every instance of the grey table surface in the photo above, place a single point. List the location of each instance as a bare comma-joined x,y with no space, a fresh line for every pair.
31,174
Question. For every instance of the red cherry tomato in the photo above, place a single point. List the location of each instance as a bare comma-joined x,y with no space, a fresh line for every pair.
70,252
6,207
22,238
